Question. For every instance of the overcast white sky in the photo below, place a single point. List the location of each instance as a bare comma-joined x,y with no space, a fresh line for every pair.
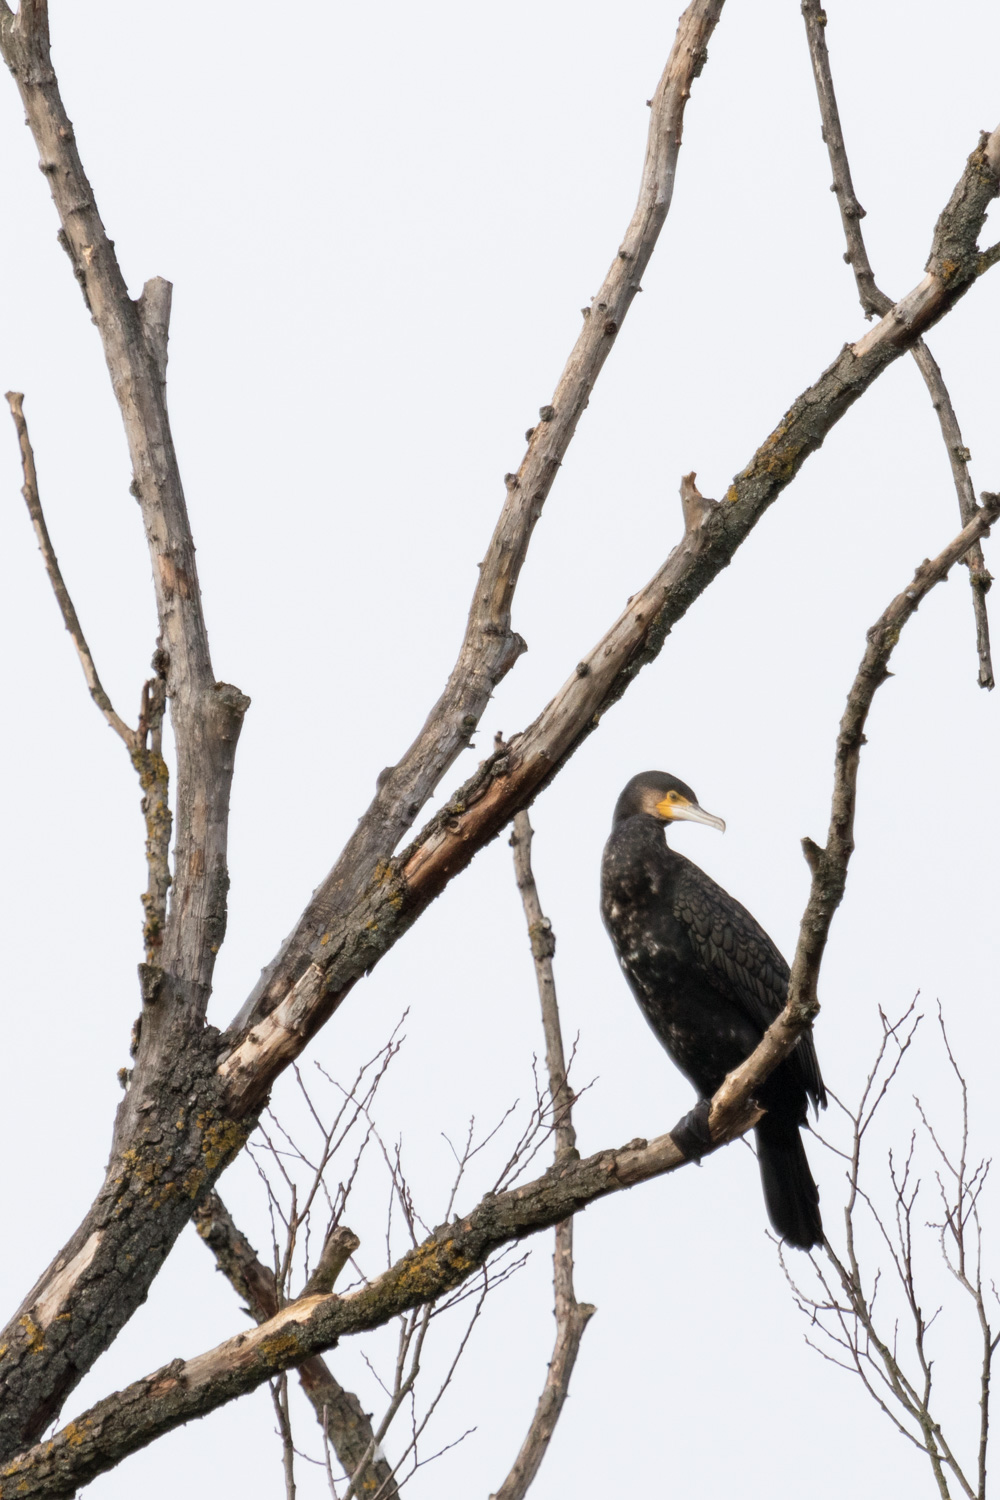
381,224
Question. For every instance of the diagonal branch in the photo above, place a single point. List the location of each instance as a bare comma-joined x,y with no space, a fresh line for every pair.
338,1411
388,900
129,1420
874,300
490,647
572,1317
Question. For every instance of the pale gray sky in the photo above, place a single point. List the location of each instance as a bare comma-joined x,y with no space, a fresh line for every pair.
381,224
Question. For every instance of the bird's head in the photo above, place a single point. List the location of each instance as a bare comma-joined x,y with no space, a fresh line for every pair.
664,798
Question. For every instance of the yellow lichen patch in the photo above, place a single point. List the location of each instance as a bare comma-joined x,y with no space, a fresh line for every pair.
732,494
280,1346
221,1139
421,1273
36,1338
192,1182
77,1432
144,1165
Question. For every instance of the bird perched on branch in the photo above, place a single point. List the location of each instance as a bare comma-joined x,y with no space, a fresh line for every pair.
709,982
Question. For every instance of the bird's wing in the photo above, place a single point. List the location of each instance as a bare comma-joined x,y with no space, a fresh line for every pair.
739,959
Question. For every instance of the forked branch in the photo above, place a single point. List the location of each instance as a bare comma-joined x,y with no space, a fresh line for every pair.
490,647
875,301
305,988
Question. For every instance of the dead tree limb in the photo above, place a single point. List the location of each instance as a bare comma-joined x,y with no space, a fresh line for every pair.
338,1411
572,1316
875,301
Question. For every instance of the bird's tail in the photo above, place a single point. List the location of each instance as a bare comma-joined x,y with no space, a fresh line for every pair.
791,1195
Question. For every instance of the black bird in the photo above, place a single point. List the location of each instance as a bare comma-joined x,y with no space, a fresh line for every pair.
709,982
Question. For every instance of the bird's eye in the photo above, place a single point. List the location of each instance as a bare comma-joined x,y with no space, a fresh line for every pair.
673,797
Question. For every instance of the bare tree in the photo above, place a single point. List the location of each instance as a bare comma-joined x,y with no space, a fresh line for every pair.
195,1096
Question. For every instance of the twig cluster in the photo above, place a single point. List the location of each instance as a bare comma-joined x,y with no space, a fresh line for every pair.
850,1307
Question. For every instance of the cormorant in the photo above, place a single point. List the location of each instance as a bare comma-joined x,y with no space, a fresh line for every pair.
709,982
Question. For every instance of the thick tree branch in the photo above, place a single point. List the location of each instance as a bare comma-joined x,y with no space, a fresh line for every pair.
490,647
389,899
338,1411
572,1316
874,300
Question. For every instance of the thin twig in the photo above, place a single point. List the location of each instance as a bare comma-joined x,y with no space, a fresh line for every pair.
145,744
875,301
279,1397
15,400
847,1318
571,1316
